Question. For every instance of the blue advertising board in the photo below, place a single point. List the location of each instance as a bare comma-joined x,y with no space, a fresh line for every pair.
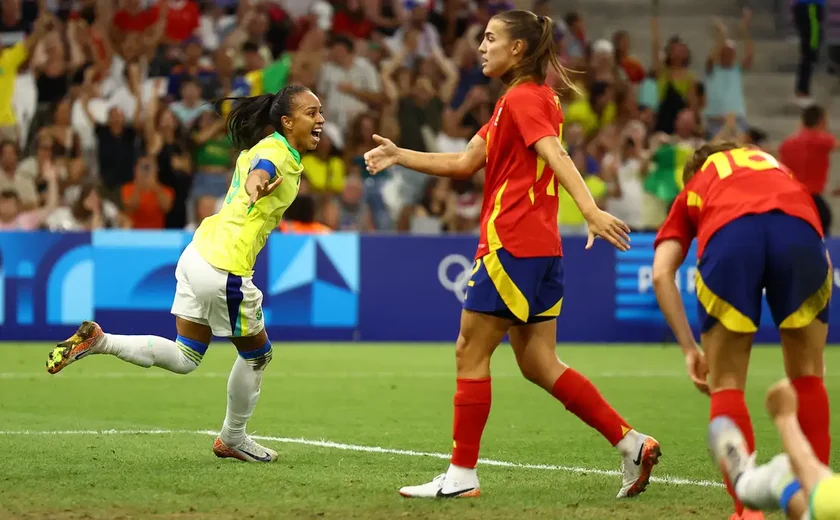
337,287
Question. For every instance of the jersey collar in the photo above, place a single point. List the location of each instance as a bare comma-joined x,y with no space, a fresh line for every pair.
282,139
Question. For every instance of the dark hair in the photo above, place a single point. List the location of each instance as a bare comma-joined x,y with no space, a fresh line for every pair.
78,208
571,19
598,89
342,39
250,47
302,209
812,116
250,117
538,34
704,152
189,79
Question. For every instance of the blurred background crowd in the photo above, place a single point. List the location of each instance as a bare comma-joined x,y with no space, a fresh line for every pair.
107,120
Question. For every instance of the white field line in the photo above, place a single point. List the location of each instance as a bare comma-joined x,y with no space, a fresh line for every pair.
674,481
159,374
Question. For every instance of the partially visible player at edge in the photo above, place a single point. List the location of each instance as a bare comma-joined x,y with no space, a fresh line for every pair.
215,294
517,282
795,481
757,228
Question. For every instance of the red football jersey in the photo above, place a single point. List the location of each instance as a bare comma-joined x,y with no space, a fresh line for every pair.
732,184
519,211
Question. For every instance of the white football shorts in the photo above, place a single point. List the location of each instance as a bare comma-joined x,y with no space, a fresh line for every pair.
230,305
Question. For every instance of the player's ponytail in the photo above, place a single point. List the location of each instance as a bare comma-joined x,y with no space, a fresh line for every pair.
253,118
541,52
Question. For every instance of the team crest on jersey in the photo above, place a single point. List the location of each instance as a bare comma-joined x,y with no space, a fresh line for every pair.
259,314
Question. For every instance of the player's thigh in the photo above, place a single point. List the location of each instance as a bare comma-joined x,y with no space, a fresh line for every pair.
236,311
728,357
187,303
535,348
478,338
193,330
730,275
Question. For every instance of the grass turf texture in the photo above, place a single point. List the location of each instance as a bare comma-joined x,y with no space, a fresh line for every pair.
391,396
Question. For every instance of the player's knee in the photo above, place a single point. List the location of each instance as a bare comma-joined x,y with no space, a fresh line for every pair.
192,352
260,358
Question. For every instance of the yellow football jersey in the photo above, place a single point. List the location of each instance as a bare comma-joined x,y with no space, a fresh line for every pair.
231,239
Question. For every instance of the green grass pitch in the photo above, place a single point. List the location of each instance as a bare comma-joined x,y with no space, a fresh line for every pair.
329,410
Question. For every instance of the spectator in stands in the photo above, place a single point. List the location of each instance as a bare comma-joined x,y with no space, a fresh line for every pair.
67,148
213,155
89,212
205,206
350,212
594,112
724,85
15,216
808,17
165,140
33,166
675,82
145,200
808,153
633,68
300,217
622,172
570,219
11,58
436,212
191,105
12,180
426,38
349,84
602,65
576,37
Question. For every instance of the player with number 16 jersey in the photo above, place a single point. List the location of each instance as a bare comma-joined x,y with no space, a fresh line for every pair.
758,232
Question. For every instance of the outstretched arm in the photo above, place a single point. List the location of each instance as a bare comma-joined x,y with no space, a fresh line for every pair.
456,165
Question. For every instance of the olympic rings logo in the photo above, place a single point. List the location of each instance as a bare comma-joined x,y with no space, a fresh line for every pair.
461,268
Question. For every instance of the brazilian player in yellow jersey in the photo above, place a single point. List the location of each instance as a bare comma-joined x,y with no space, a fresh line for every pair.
215,294
795,482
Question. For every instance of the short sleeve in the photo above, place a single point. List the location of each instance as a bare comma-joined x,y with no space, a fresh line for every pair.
535,115
826,141
482,132
678,225
263,161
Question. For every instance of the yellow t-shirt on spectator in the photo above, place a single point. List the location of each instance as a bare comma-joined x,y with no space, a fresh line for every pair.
10,61
581,112
568,213
324,175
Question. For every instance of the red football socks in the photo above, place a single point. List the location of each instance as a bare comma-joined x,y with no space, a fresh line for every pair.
582,398
814,414
472,408
731,403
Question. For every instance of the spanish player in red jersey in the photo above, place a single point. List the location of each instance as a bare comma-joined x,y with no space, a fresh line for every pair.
517,282
757,230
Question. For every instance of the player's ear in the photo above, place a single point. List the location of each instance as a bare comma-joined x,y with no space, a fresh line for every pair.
286,122
518,48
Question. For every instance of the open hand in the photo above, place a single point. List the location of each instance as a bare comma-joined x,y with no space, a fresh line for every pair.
382,157
610,228
263,189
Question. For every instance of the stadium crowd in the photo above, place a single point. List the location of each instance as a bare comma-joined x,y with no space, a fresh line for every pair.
107,114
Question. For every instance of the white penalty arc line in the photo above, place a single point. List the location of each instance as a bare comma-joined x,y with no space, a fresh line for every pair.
674,481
